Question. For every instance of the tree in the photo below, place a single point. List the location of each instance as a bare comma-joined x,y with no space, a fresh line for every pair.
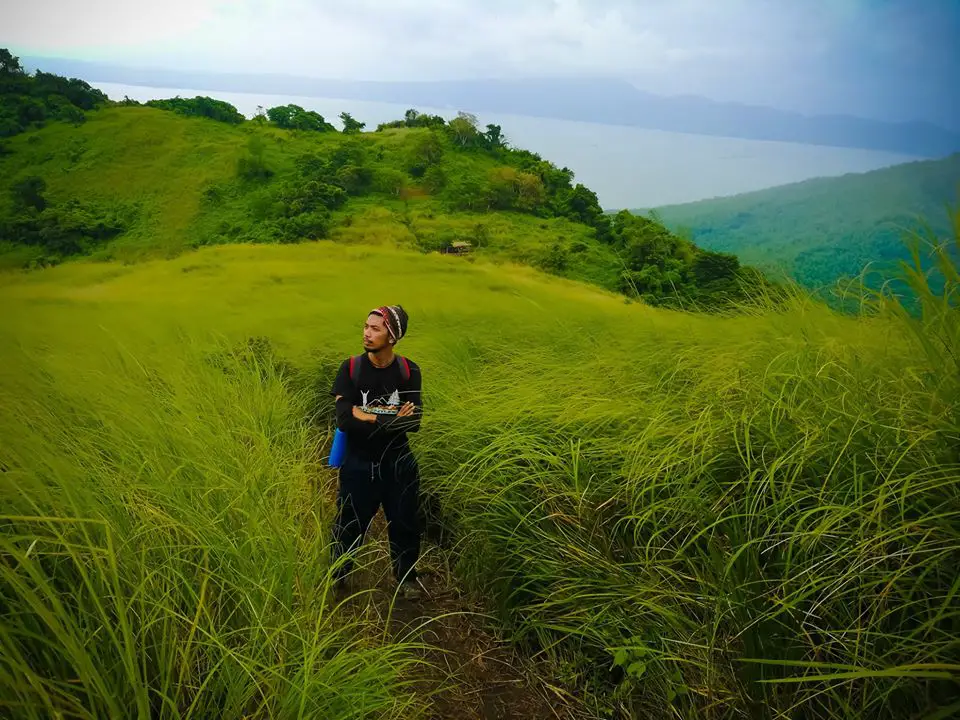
253,166
201,106
434,179
349,152
281,115
389,181
305,197
495,137
583,205
509,189
501,188
713,266
426,151
355,179
350,125
412,118
28,193
464,129
313,166
531,194
468,192
555,179
9,63
555,259
294,117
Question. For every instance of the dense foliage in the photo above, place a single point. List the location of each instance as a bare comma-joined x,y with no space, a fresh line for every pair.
59,230
414,119
29,101
200,106
294,117
824,229
666,269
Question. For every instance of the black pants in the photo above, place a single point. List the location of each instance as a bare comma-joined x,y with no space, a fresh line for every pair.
393,482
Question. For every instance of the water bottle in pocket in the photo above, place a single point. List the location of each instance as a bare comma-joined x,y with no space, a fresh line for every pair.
338,449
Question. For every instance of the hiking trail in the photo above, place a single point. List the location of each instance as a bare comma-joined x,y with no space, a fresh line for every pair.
469,673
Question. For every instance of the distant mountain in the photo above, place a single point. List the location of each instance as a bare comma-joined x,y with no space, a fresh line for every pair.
595,100
819,230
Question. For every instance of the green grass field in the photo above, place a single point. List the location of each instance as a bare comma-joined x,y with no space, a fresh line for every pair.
159,166
688,516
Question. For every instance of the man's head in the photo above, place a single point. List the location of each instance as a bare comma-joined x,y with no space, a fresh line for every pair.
385,326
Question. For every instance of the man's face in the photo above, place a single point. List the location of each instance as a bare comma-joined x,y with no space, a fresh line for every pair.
375,335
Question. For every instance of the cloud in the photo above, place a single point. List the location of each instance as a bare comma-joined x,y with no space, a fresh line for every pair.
883,56
62,26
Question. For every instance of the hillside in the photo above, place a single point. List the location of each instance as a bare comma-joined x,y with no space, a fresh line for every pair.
820,230
126,181
674,514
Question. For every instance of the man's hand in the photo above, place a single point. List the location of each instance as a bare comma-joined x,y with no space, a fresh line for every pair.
363,416
407,410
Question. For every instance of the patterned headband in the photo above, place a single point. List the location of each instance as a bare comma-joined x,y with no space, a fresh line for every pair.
391,319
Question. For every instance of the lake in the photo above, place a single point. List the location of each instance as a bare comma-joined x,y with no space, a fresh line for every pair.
627,167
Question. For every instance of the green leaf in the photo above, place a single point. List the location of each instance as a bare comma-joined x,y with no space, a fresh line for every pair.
637,669
621,657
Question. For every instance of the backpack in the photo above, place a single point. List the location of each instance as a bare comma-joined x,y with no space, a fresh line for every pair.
355,368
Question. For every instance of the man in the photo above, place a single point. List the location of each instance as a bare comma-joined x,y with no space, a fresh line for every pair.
378,404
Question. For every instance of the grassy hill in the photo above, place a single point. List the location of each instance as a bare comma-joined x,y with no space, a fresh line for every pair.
178,178
684,515
822,229
127,182
674,514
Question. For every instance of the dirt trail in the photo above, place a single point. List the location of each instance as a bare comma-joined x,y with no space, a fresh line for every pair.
480,677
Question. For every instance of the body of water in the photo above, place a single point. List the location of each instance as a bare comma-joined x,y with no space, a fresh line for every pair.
627,167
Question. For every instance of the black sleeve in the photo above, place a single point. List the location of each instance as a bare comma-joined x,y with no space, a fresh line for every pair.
411,393
344,388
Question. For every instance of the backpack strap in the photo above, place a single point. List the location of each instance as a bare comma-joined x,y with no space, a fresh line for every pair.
404,367
355,368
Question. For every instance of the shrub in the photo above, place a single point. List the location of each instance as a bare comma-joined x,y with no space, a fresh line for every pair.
201,106
252,167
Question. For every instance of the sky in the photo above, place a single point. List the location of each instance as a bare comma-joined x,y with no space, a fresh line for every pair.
883,59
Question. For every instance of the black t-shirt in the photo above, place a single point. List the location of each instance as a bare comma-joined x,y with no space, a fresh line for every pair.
380,391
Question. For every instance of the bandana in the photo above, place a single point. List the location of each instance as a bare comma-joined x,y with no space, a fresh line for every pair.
395,318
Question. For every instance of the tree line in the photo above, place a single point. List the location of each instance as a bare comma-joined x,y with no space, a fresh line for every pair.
30,101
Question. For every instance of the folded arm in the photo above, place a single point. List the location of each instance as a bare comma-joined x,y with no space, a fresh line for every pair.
348,421
408,421
401,423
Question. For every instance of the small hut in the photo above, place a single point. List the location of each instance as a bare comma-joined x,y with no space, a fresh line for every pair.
457,247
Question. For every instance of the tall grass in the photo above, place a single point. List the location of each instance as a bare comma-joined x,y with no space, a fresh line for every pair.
696,517
163,548
770,529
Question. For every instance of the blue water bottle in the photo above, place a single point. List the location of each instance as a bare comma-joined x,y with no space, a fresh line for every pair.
338,449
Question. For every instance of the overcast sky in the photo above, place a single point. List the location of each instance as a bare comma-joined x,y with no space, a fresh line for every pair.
888,59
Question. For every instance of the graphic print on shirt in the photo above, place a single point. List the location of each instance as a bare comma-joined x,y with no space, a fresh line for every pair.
381,405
